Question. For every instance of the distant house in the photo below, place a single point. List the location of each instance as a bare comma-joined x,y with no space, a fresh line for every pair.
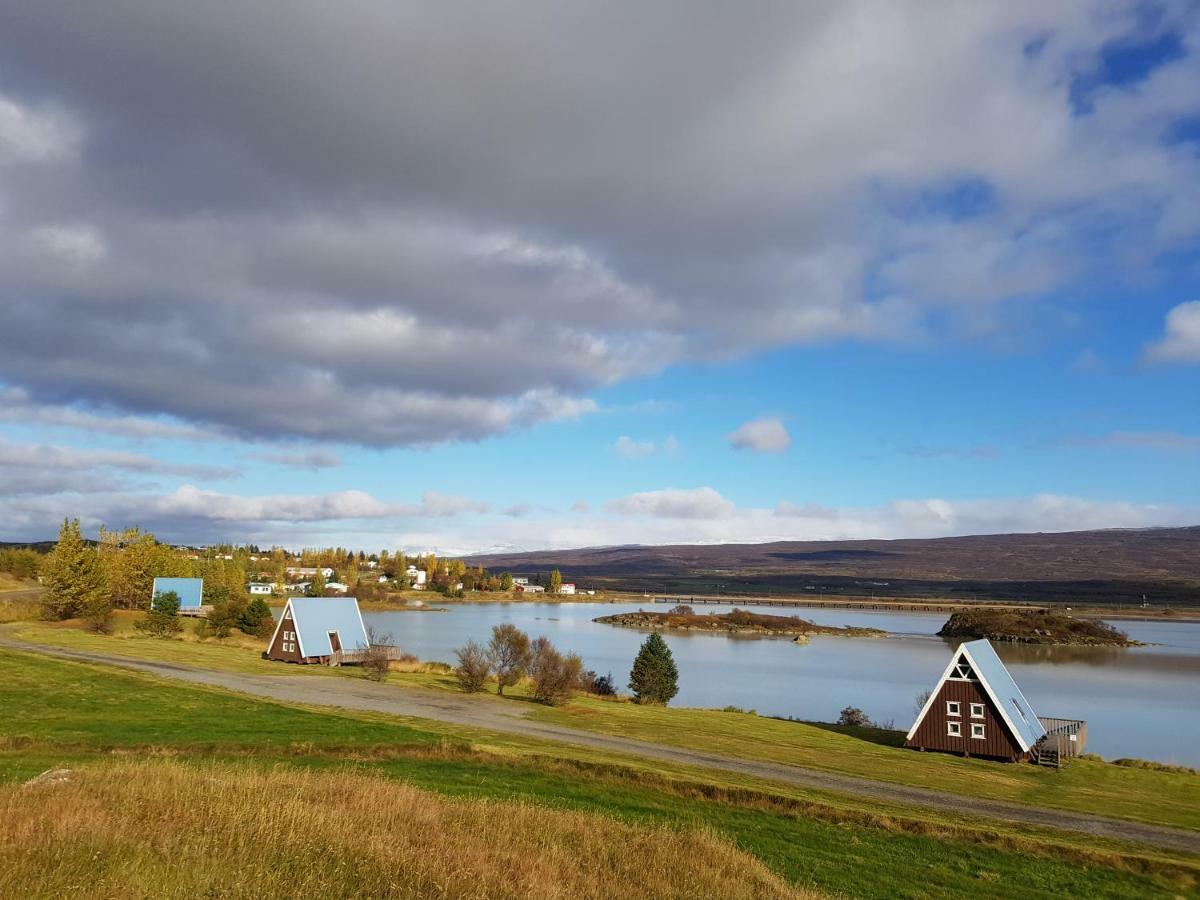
338,586
319,631
520,582
567,588
309,571
260,588
190,592
417,576
976,709
529,589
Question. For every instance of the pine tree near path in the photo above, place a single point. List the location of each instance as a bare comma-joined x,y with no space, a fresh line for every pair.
74,577
654,678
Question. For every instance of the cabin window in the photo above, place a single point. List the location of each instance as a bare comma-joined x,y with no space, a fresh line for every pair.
977,730
976,710
954,729
953,708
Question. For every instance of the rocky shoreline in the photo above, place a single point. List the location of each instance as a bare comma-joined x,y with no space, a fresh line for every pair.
1003,626
739,622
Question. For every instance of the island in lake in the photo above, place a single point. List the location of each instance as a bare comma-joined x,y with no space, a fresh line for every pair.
739,621
1033,627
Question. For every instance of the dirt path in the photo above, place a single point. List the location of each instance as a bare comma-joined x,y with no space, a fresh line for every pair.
460,710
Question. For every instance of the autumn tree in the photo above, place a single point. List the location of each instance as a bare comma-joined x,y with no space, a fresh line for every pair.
506,582
555,585
316,587
654,678
473,667
74,577
555,677
162,619
508,652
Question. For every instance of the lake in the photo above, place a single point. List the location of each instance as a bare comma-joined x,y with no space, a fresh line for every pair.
1140,702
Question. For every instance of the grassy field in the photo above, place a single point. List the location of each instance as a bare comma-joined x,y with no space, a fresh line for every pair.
1084,786
101,721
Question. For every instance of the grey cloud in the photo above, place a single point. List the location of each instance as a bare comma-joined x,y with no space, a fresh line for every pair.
671,503
765,435
45,458
337,231
305,459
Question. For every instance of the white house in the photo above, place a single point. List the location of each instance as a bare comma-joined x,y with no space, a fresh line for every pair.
416,576
338,586
567,588
529,589
520,582
310,571
261,587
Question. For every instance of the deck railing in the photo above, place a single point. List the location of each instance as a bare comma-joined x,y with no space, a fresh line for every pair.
349,657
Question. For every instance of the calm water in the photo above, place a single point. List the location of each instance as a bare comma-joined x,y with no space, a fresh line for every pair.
1142,702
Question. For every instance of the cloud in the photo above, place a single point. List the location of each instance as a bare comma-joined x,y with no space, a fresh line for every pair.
17,406
42,458
306,459
517,510
766,435
309,257
1181,342
631,449
698,503
1146,440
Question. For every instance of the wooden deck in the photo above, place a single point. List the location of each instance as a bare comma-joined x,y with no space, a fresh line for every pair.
353,657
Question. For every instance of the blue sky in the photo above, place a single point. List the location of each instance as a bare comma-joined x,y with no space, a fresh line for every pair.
799,274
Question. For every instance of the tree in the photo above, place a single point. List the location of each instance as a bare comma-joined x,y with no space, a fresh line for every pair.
256,618
654,678
681,609
316,587
377,660
508,652
854,716
473,667
506,582
555,585
162,620
74,577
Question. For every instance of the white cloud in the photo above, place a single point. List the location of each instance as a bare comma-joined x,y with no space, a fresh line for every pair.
1181,342
73,244
43,458
765,435
697,503
631,449
28,135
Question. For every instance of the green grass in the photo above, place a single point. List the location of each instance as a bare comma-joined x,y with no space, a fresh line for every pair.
63,713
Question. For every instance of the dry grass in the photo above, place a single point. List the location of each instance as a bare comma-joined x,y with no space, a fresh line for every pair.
21,608
165,829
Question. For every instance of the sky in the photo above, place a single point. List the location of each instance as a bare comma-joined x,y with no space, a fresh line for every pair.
488,276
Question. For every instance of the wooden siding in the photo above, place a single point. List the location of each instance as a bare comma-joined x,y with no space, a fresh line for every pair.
285,647
997,742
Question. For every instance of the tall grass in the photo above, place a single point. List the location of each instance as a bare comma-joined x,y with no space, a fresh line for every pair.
166,829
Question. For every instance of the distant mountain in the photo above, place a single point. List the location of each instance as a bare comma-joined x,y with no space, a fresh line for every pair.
1117,565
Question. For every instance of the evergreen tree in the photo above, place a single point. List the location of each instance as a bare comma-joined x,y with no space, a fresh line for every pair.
74,577
163,618
654,678
506,582
316,587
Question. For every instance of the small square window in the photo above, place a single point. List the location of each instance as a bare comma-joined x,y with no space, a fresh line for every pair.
977,730
953,708
976,710
954,729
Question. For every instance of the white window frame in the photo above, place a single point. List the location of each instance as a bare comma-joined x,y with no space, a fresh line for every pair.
978,731
953,708
954,729
977,711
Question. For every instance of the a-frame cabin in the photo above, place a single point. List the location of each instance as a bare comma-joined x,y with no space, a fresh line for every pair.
976,709
319,631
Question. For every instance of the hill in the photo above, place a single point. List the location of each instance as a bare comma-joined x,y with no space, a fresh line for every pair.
1117,566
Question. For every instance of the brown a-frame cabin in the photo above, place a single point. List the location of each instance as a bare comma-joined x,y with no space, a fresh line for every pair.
976,709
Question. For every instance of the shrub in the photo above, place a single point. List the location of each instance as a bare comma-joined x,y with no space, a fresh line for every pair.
163,618
555,677
254,615
600,685
376,663
654,678
855,717
681,609
473,667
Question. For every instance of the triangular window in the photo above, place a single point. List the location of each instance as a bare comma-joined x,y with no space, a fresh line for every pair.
962,670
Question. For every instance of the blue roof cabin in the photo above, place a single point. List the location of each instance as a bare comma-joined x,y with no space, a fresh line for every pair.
190,592
976,709
319,631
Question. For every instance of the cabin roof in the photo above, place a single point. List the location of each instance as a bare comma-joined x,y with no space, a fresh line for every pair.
998,683
314,617
189,590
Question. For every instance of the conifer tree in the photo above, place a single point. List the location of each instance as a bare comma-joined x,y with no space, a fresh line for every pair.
654,678
74,577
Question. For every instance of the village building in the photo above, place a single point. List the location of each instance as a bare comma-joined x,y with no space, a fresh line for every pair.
567,588
309,571
190,592
338,586
528,588
520,581
319,631
417,577
976,709
261,588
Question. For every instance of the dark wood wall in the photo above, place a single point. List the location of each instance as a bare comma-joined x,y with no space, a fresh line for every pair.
998,742
285,646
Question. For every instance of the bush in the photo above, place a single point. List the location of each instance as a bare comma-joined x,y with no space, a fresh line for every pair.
98,617
376,663
163,618
681,609
473,667
600,685
555,677
654,678
855,717
254,615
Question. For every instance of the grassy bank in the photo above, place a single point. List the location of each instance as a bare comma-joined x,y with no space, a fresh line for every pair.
738,621
89,717
338,834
